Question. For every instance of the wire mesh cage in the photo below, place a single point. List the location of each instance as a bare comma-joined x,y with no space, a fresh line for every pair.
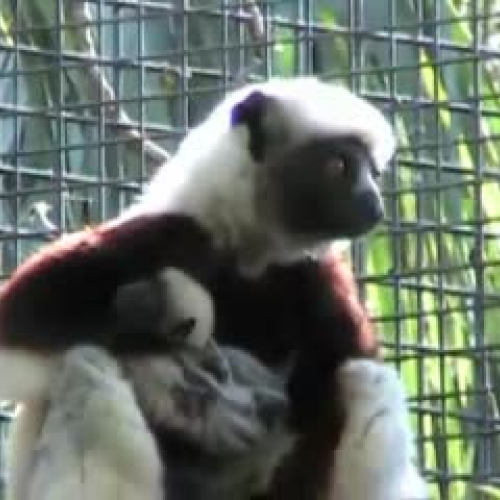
83,83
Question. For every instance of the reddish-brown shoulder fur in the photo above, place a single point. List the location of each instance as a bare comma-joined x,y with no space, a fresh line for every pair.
345,295
59,294
334,327
347,333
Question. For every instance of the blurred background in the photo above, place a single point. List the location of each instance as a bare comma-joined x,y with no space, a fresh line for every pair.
95,95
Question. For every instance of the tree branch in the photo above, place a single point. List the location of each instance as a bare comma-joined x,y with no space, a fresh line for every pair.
80,14
255,25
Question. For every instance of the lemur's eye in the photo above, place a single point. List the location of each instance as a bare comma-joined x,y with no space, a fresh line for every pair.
336,166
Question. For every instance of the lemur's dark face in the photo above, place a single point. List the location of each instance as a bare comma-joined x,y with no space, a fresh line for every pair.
324,185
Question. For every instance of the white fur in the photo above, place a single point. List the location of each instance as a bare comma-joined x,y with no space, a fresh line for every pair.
375,457
94,443
213,176
187,298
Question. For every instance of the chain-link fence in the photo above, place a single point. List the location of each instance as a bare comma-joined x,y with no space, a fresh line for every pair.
82,82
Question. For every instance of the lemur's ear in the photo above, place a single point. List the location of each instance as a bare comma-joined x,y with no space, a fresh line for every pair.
250,109
250,112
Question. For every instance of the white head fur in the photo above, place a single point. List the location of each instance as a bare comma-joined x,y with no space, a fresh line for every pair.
213,176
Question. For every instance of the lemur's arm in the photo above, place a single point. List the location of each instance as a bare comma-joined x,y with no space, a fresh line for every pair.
305,315
67,290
